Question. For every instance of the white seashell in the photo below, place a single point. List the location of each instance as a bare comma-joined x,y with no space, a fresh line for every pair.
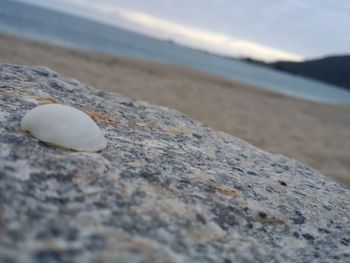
64,126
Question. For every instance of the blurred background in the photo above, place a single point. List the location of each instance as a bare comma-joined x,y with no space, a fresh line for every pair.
275,73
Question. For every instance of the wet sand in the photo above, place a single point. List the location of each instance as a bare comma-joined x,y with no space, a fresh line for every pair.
316,134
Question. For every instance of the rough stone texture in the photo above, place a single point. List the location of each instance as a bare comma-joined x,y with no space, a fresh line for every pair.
166,189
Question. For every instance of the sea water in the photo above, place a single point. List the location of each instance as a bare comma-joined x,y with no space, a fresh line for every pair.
67,30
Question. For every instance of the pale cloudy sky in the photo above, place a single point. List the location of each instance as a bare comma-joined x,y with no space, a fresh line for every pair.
263,29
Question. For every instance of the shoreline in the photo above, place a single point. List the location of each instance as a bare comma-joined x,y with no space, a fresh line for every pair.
314,133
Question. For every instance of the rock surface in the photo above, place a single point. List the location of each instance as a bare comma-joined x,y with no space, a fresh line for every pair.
166,188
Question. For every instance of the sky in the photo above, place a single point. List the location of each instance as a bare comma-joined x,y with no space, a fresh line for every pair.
268,30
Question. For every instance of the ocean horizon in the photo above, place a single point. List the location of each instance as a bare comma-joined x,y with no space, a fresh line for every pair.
62,29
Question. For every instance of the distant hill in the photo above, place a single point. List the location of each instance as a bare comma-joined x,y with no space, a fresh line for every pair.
333,70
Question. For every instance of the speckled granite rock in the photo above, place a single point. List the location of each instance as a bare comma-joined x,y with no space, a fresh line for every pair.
166,189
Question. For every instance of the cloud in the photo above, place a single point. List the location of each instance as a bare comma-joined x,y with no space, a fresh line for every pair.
77,2
143,22
214,41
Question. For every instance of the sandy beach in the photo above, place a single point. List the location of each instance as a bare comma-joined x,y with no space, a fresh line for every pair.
316,134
